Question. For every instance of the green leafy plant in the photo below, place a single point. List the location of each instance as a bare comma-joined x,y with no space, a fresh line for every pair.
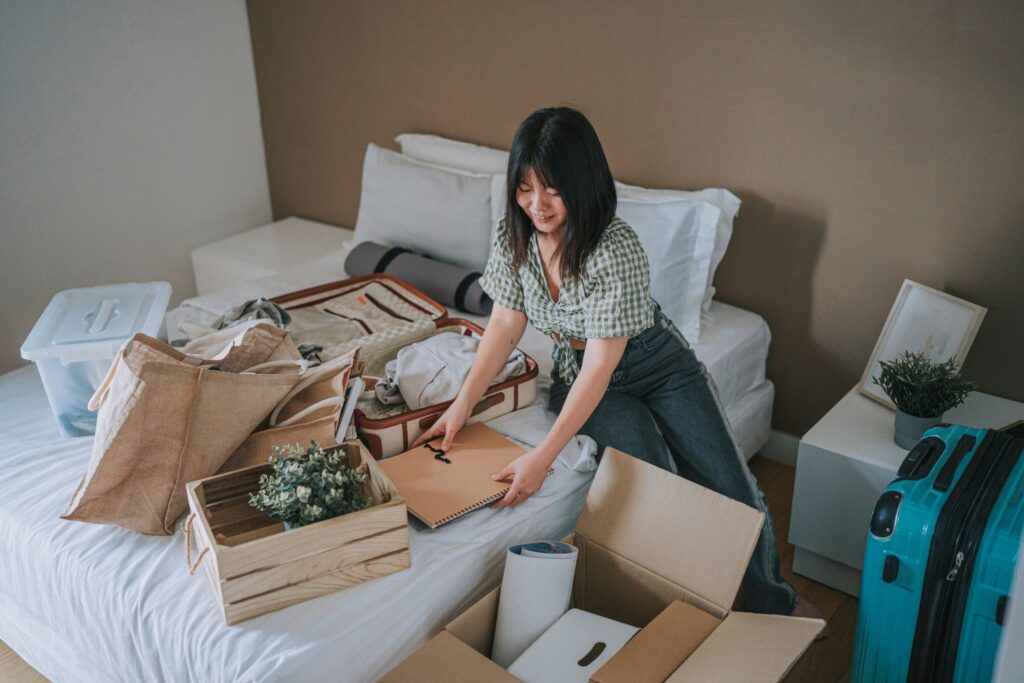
920,387
308,485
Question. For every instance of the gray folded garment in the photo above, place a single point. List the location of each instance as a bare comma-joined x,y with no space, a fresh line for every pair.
448,284
254,309
432,371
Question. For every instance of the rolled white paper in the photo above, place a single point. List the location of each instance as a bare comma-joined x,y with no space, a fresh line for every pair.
535,592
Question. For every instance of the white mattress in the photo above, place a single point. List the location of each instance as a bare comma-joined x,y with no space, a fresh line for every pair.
83,603
733,342
733,348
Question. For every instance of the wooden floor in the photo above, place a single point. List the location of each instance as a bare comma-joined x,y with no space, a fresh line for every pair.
827,661
13,668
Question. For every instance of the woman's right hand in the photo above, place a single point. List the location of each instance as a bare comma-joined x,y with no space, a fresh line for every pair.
449,424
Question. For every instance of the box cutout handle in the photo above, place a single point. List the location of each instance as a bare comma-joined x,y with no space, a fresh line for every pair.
594,653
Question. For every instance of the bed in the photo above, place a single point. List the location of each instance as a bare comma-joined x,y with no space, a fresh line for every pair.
81,602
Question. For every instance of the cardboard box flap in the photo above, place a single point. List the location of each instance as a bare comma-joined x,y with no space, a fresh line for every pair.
660,647
749,647
686,533
475,626
446,659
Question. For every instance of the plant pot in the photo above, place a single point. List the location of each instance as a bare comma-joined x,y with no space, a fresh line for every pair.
909,428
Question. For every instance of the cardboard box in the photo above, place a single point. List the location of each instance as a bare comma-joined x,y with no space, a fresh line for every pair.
648,538
654,653
254,566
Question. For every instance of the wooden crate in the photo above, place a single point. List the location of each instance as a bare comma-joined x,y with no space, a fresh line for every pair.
255,566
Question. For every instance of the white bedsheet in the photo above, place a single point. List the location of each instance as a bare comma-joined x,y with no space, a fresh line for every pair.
84,603
733,348
81,602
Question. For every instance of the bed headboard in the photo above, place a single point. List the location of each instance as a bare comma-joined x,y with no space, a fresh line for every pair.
868,144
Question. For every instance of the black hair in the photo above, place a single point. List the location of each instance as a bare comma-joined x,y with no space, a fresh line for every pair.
562,148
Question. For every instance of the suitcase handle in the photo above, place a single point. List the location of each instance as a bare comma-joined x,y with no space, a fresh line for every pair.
486,403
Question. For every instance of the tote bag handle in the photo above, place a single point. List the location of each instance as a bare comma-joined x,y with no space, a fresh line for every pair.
310,376
100,395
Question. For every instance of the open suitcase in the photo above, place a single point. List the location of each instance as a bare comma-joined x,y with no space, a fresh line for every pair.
940,556
381,314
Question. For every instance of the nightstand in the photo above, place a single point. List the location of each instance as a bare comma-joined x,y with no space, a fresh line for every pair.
265,251
843,464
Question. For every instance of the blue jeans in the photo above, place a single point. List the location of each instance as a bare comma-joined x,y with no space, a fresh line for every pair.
662,407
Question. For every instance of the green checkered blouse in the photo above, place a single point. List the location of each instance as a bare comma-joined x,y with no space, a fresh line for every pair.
611,299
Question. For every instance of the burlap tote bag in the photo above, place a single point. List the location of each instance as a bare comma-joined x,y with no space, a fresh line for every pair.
310,412
166,418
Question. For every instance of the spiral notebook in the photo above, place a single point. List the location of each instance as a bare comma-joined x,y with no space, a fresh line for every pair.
441,486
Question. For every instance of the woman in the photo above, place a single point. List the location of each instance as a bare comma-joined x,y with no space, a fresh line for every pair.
624,375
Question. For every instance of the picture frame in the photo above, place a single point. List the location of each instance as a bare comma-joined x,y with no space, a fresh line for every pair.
927,320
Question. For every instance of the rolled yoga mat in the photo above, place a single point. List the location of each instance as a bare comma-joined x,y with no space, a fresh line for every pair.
535,592
448,284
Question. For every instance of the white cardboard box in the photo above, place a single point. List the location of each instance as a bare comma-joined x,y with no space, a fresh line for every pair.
576,637
646,538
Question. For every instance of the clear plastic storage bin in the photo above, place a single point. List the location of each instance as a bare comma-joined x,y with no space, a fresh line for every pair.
74,342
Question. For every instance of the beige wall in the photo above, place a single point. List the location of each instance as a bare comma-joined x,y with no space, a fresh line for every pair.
129,135
869,141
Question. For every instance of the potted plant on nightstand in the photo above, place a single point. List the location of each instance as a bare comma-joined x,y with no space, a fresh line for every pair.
922,391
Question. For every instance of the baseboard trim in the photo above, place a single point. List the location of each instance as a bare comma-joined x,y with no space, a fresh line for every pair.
781,447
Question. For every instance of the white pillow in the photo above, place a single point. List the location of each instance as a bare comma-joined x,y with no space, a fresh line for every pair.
678,235
465,156
679,238
723,199
462,156
442,213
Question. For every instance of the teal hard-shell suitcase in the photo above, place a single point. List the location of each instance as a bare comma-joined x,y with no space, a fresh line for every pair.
941,550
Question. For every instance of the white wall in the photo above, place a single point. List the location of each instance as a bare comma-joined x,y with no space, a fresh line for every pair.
129,134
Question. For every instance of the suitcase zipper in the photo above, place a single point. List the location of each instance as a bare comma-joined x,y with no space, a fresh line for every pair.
955,569
948,542
973,534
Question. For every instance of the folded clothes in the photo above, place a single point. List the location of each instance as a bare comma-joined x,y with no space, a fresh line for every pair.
432,371
201,338
254,309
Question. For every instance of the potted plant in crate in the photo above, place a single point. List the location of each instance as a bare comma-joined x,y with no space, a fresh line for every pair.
922,391
308,485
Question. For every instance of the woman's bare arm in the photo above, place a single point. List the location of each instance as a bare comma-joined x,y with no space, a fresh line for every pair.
599,361
529,470
504,330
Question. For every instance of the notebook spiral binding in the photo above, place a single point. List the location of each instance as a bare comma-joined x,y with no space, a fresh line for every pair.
470,508
478,505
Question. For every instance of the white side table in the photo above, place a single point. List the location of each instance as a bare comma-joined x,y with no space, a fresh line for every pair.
264,251
843,464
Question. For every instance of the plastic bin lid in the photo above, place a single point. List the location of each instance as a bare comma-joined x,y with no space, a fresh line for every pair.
93,322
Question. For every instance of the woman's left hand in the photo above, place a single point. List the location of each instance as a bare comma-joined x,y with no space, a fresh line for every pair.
528,473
